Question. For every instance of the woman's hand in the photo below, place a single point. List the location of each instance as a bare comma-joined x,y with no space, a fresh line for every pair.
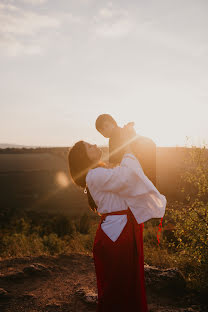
129,129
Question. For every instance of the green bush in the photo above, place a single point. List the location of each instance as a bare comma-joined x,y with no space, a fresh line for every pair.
18,245
62,226
84,224
191,220
53,244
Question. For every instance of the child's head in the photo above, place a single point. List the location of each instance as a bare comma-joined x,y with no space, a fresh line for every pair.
105,125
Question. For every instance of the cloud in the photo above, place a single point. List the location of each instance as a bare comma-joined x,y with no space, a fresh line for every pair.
21,28
34,2
8,7
118,28
24,22
106,12
28,23
14,47
113,22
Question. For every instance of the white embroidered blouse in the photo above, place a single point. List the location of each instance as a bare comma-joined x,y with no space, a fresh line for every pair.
121,187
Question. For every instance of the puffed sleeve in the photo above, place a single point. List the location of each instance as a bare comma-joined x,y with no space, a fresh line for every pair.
119,179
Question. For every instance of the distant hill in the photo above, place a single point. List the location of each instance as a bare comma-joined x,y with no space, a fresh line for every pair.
16,146
11,145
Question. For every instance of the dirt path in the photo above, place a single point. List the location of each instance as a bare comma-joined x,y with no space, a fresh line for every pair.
65,283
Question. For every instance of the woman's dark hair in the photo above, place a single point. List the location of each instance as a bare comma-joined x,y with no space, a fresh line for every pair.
101,119
79,165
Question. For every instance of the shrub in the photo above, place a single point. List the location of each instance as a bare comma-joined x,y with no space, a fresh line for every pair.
84,224
18,245
62,225
191,220
53,244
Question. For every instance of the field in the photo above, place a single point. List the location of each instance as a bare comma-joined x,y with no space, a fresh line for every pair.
32,179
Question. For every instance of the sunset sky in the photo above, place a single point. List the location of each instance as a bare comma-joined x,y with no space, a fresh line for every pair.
64,62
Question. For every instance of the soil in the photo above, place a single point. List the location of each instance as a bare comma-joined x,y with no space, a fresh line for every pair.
67,283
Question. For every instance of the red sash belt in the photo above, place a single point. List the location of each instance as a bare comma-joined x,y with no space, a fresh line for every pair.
123,212
119,212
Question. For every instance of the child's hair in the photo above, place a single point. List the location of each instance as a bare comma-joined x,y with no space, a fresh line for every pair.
101,119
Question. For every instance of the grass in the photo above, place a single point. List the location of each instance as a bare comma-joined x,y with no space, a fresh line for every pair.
63,235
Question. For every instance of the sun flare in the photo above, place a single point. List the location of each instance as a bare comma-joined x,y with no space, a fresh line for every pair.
62,179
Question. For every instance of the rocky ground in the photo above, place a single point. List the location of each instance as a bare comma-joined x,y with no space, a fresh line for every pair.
67,283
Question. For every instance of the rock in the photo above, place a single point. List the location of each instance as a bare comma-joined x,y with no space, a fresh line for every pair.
14,276
87,296
164,281
53,307
36,269
3,293
26,297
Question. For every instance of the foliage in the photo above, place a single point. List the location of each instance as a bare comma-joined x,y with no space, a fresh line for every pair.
35,234
191,220
84,224
19,244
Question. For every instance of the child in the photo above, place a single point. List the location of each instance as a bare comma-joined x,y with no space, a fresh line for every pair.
144,148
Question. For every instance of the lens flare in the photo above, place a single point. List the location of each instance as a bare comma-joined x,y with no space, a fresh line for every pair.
61,179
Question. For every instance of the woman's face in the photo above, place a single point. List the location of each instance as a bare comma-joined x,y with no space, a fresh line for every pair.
93,152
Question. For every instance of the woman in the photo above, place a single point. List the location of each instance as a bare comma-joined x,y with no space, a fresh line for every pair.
125,198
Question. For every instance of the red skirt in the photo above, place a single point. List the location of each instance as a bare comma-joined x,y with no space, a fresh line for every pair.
119,268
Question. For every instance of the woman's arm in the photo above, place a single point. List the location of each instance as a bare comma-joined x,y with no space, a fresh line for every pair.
119,144
117,179
121,178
